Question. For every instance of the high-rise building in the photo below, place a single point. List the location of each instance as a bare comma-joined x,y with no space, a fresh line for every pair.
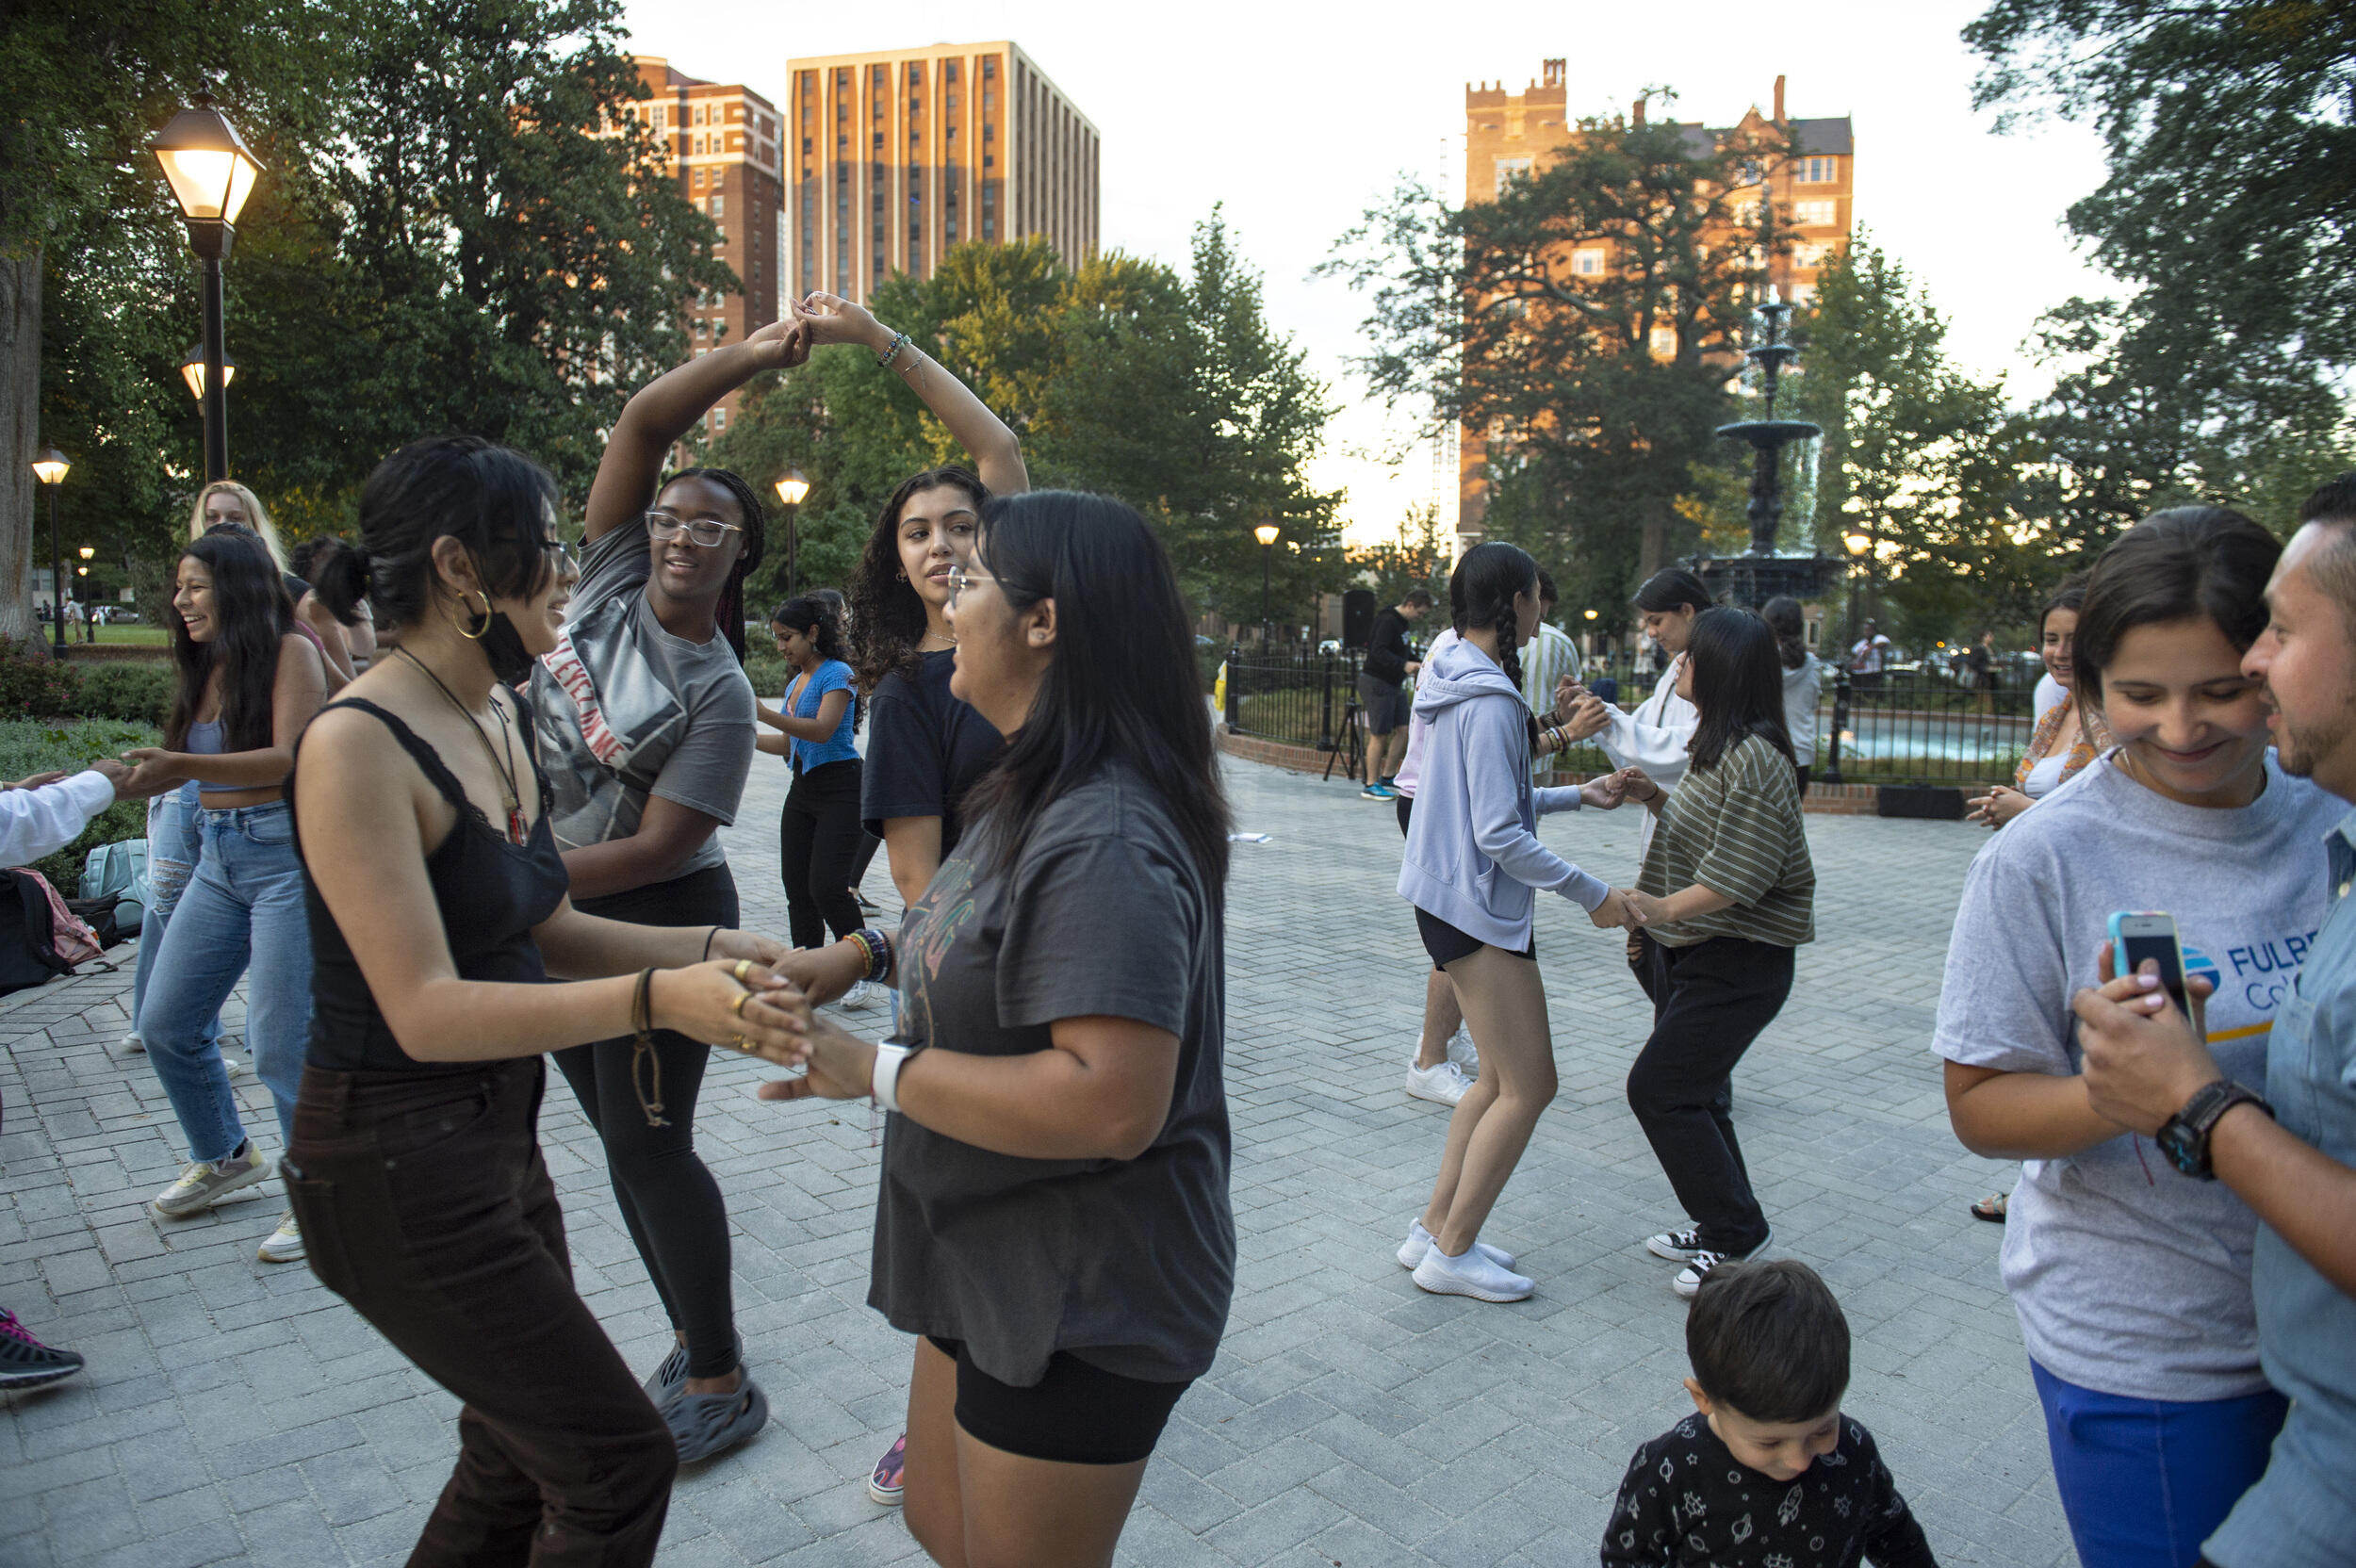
724,141
1510,133
898,155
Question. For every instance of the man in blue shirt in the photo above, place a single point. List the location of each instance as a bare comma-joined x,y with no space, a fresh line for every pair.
2292,1155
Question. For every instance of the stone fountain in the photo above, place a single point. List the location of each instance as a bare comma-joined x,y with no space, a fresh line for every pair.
1762,572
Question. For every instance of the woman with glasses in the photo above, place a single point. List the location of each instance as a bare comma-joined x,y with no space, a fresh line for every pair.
1053,1219
647,728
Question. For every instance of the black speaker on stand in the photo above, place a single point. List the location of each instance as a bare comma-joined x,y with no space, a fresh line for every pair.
1357,617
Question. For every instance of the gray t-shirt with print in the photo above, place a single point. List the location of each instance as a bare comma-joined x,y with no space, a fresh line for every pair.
699,757
2128,1278
1128,1265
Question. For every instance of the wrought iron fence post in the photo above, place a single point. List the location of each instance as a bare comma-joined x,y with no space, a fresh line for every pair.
1325,699
1234,684
1840,722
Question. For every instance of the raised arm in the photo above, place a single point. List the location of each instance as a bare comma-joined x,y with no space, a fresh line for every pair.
667,408
997,455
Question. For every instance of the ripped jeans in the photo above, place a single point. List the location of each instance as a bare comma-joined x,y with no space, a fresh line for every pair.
172,850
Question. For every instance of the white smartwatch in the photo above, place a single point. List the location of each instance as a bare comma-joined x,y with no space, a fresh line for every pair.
885,1084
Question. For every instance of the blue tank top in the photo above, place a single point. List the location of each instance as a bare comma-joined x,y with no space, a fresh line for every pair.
205,740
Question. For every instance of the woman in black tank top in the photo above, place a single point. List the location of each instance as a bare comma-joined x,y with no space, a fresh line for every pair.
438,912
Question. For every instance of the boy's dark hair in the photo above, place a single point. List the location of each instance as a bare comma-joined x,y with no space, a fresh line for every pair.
1546,589
1419,597
1768,1341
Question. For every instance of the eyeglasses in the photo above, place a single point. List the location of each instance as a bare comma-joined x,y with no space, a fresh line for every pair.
662,525
961,577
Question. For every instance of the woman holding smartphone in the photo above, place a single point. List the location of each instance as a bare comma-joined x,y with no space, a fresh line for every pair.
2132,1285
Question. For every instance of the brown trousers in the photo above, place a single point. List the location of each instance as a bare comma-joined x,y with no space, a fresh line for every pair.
425,1204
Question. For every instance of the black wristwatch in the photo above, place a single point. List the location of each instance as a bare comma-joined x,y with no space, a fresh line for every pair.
2185,1137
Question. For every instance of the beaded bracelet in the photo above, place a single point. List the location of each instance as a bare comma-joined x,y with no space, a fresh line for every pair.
899,341
878,947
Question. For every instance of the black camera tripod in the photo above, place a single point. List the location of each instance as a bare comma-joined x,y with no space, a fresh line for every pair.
1352,750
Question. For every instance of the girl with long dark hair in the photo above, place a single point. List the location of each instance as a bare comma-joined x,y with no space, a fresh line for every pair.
646,726
1473,867
818,832
1054,1216
2131,1285
439,913
1726,892
925,748
1803,681
2068,736
247,683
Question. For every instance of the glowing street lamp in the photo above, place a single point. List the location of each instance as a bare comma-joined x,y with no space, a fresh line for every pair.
1266,533
50,468
211,174
193,371
791,489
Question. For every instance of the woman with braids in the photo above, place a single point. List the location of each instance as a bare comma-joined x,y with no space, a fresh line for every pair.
926,747
647,728
438,914
247,683
1053,1219
818,832
1473,866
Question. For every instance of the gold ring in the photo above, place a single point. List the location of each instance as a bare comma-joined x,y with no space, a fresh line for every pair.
743,971
740,1043
737,1006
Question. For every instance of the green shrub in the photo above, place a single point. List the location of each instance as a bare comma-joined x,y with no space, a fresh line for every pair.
766,668
29,747
136,694
32,685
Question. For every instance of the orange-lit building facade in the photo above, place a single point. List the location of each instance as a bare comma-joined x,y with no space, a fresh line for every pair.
725,140
894,157
1508,133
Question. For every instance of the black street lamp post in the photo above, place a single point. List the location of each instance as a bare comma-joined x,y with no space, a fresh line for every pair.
791,489
50,467
211,176
1266,533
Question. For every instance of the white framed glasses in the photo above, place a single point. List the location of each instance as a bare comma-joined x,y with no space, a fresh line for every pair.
704,532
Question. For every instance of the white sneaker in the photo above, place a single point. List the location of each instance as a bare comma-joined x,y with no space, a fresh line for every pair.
1443,1085
285,1243
235,1066
132,1041
1677,1246
1471,1275
1462,1051
859,997
208,1181
1419,1242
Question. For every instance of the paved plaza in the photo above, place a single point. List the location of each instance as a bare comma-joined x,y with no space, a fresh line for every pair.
237,1413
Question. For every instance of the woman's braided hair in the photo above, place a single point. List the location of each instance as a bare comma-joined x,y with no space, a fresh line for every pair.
1481,592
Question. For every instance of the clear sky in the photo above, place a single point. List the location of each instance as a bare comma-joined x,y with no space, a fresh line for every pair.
1298,116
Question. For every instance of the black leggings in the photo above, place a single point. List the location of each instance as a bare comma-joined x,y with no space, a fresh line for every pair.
668,1199
818,840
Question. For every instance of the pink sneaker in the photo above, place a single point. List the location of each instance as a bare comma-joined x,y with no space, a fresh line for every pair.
885,1484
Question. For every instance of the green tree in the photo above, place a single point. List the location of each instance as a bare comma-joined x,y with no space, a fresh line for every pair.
1598,392
2227,209
1415,556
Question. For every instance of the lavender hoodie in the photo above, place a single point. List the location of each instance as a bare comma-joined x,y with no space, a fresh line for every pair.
1473,854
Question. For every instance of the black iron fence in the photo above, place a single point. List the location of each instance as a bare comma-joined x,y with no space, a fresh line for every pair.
1903,727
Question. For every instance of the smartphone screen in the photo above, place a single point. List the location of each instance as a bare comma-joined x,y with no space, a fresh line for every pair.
2151,936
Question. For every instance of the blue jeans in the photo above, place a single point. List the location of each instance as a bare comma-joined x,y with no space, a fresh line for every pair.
171,853
2144,1481
241,914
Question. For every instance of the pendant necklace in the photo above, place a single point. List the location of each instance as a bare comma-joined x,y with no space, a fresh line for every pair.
506,773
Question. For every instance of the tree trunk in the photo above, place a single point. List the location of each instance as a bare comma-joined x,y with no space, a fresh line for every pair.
20,437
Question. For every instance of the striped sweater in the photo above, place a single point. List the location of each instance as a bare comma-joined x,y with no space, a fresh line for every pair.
1736,829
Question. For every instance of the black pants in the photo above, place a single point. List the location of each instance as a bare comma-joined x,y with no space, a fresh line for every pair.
818,842
1709,1002
868,844
1801,773
425,1204
668,1198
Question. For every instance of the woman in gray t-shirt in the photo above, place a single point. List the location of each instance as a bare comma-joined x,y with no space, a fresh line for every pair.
1053,1217
2131,1282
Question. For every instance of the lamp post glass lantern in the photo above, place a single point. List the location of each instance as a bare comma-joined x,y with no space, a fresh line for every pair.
791,489
50,468
193,371
211,174
1266,533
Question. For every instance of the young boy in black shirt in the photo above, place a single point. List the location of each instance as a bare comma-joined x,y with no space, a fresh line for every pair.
1768,1474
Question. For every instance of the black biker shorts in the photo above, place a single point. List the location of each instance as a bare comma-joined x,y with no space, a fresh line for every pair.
1077,1415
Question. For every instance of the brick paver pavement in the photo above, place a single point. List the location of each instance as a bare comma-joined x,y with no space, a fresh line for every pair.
238,1413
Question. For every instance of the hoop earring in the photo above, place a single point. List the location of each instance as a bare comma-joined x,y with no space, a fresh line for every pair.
482,623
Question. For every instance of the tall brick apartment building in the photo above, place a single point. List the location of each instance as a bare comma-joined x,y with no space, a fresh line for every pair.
725,141
1515,133
897,156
